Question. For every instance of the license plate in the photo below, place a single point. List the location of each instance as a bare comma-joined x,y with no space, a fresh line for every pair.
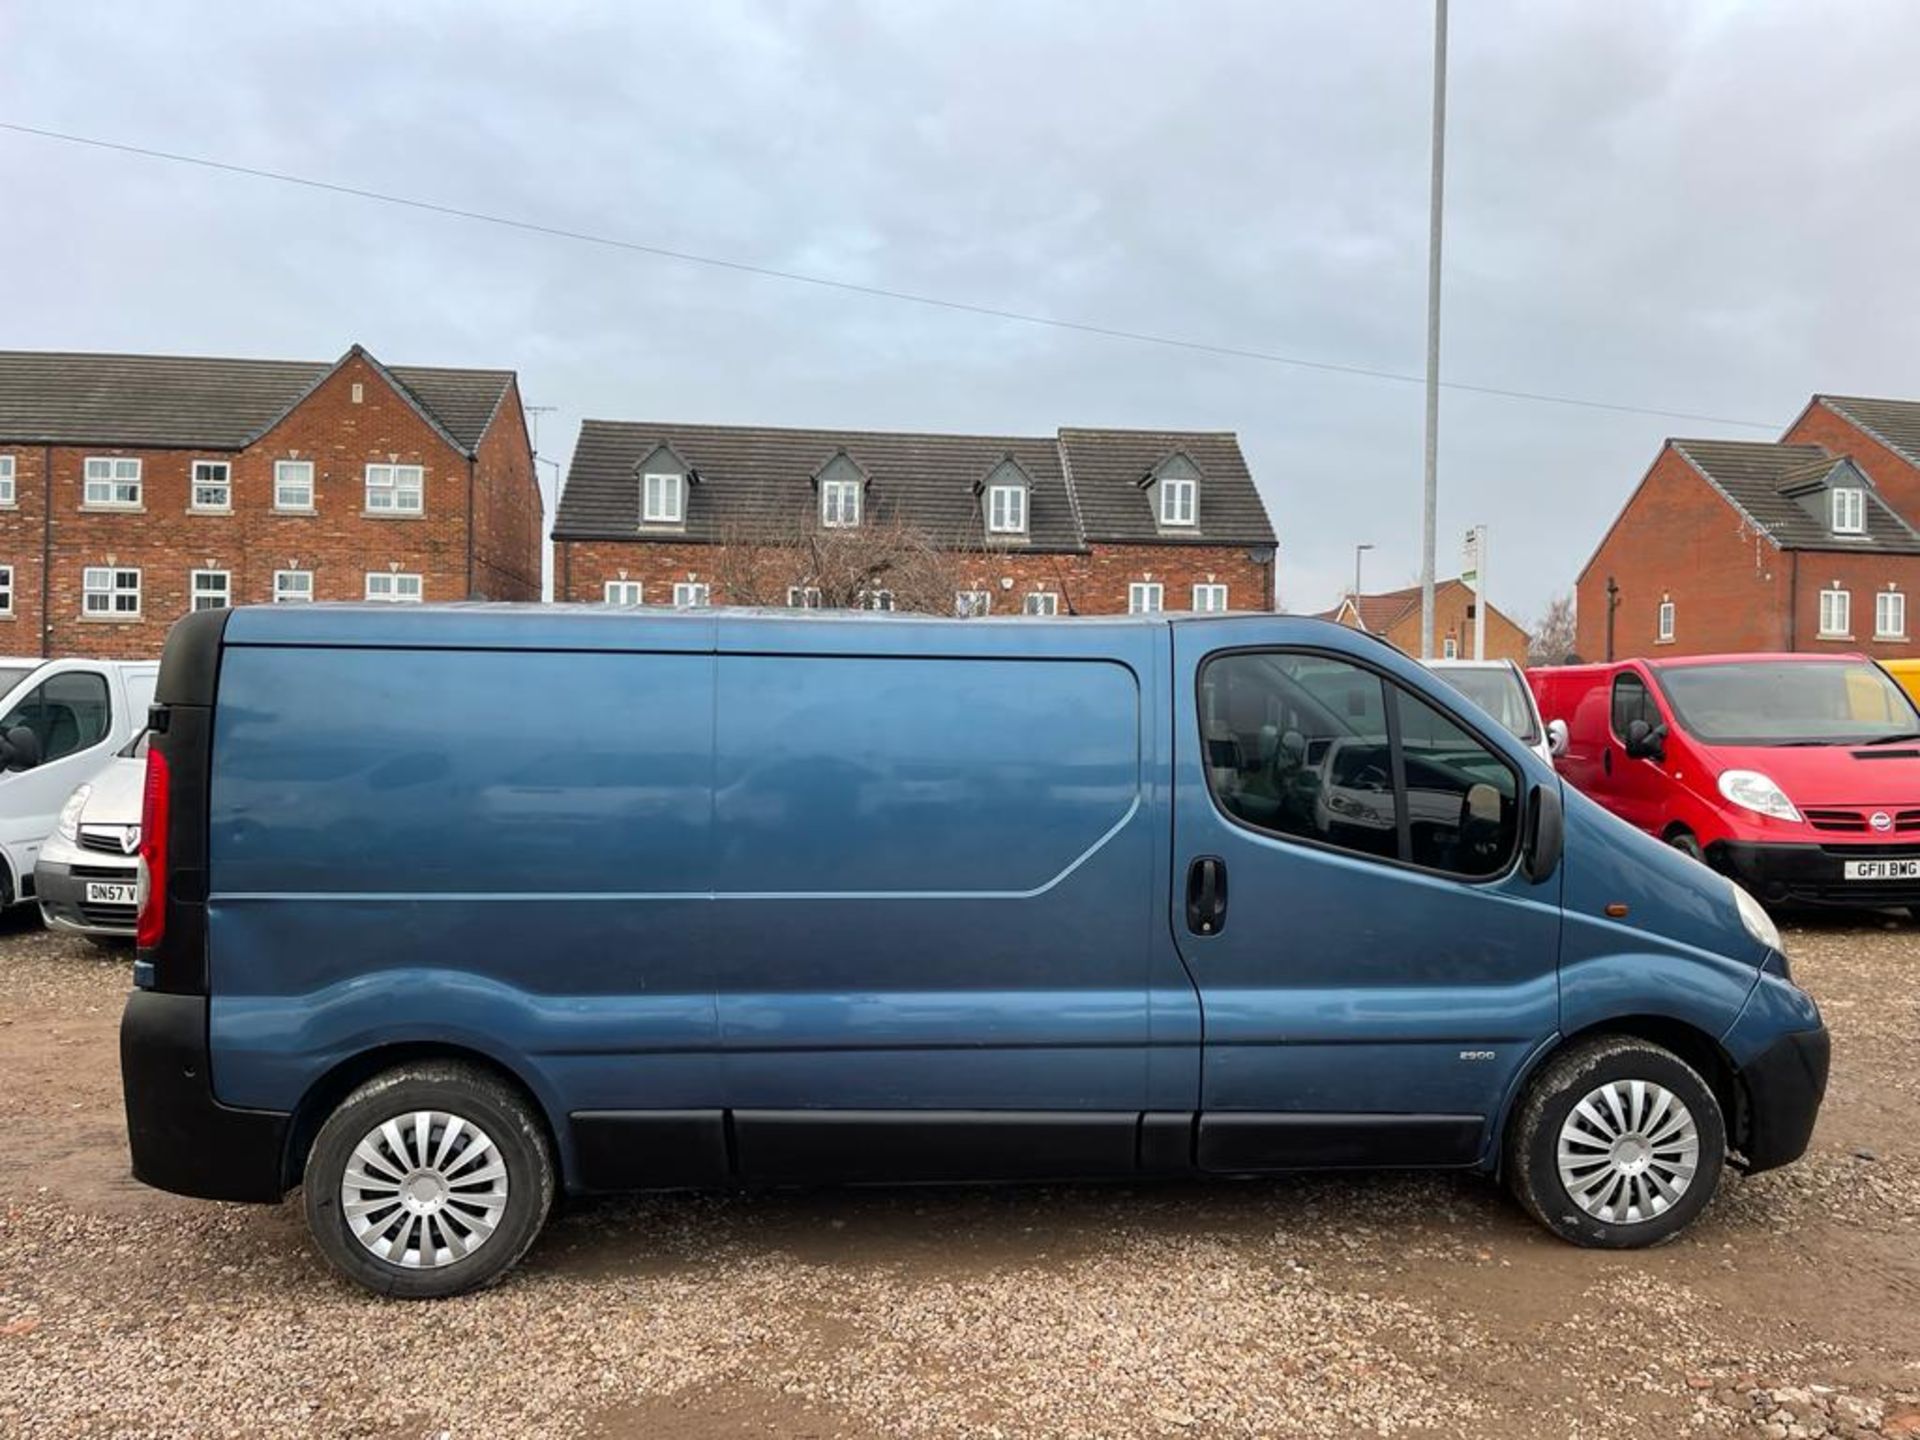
1883,870
110,892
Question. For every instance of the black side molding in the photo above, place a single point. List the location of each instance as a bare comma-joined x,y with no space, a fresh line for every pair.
1244,1143
183,1139
650,1149
190,660
797,1147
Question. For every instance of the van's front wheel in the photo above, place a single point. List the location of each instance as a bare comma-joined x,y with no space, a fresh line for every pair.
1618,1144
429,1180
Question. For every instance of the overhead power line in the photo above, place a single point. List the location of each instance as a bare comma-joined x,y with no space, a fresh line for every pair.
879,292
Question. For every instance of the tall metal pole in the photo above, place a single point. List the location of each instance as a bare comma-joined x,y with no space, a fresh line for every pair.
1480,593
1358,551
1430,514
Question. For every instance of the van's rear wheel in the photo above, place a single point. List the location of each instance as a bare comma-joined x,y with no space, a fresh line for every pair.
429,1180
1618,1144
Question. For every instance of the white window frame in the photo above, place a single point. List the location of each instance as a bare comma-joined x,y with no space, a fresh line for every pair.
6,589
840,504
1205,593
803,597
1006,509
1848,510
1890,606
1146,597
1836,614
285,592
1179,493
1040,602
875,599
283,470
970,604
9,494
692,594
195,592
394,489
1663,623
107,476
662,498
625,592
399,587
1449,649
102,583
196,482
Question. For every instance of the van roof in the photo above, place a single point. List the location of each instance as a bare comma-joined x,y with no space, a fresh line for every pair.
1669,662
576,627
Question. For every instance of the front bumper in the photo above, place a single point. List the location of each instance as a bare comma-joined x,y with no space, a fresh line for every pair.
60,885
182,1138
1813,874
1785,1083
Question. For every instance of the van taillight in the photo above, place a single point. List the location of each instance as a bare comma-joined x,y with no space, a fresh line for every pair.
155,810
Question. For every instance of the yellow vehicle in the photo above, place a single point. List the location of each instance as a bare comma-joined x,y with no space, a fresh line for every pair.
1906,674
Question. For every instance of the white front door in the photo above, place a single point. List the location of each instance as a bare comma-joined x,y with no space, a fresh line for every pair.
71,713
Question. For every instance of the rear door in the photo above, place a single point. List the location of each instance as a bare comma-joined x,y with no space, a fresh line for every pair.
1380,967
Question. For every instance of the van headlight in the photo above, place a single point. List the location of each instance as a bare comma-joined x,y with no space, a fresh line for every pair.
70,814
1754,916
1751,790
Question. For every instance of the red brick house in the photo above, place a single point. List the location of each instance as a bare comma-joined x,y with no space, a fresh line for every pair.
135,488
1730,546
1395,616
1088,522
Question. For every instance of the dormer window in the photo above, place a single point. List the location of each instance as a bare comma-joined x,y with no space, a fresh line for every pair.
839,503
663,499
1003,498
1849,510
841,485
1176,501
1173,486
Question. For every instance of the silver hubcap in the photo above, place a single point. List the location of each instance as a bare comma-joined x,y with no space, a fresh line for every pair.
424,1189
1628,1151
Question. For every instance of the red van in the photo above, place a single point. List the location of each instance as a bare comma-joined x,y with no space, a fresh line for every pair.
1797,775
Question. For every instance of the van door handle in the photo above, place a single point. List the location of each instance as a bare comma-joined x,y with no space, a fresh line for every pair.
1606,759
1207,895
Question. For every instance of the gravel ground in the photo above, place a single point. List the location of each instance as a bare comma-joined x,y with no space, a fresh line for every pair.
1388,1305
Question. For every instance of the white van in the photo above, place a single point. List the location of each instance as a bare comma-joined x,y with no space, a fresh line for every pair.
79,713
1500,688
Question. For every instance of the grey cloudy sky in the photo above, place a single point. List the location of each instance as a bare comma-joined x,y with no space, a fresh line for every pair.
1707,207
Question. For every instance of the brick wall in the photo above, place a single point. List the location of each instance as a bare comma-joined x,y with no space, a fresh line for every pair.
1732,591
339,542
1453,619
1091,584
1896,479
507,518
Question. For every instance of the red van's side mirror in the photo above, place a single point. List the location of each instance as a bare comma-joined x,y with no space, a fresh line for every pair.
1646,742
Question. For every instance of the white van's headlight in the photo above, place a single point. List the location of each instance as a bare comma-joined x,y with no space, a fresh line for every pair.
70,814
1753,915
1751,790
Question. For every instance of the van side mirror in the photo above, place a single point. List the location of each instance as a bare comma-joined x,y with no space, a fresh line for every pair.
1545,835
1646,742
19,749
1557,737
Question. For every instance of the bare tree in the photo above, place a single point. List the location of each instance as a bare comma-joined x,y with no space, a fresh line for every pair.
882,563
1553,634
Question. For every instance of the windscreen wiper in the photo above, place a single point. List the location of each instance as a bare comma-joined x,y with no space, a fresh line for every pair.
1893,739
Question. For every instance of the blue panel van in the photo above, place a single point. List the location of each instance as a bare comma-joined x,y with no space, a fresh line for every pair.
448,911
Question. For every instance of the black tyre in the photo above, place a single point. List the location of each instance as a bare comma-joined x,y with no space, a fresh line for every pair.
1687,844
1618,1144
429,1180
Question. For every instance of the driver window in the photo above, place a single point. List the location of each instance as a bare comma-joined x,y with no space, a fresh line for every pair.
66,713
1297,745
1631,702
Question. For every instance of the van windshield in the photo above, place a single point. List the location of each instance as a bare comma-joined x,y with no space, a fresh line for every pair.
1498,691
1789,702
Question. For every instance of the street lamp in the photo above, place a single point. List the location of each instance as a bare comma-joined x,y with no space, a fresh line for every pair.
1358,551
